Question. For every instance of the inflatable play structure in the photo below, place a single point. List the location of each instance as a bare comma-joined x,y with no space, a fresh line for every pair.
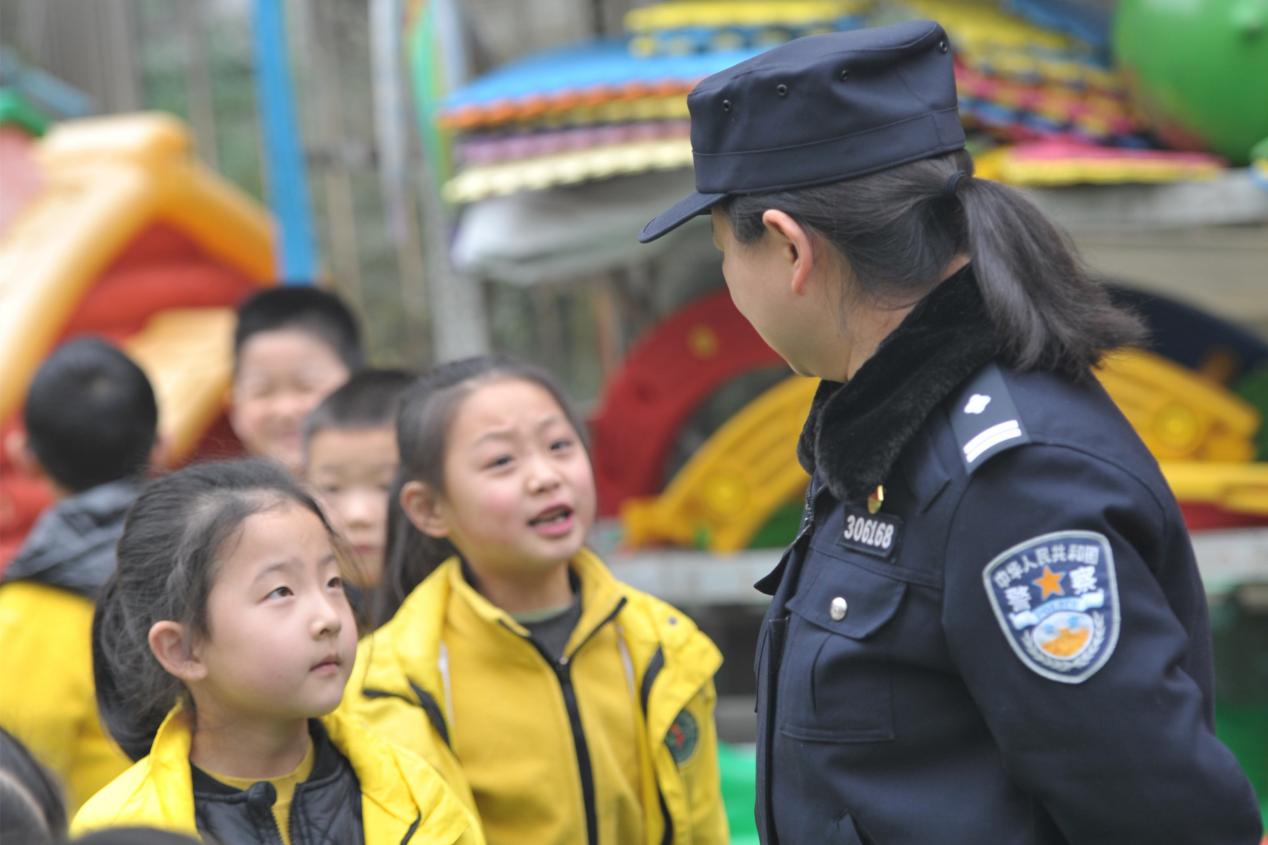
736,482
1203,433
1064,97
666,376
1202,101
128,237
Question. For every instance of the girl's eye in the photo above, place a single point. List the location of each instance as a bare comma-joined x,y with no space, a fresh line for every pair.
335,583
280,593
561,444
499,462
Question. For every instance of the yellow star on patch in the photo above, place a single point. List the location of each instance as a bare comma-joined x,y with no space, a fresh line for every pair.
1050,583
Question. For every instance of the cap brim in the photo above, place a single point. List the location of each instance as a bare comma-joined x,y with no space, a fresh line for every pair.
685,209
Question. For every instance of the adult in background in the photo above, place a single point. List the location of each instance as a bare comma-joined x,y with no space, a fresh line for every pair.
990,627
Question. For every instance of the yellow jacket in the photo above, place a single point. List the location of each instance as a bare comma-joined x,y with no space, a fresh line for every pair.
46,695
402,798
527,742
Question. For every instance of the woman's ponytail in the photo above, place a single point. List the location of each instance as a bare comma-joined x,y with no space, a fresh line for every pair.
899,229
1047,311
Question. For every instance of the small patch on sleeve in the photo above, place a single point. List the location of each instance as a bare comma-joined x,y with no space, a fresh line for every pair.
1056,599
683,737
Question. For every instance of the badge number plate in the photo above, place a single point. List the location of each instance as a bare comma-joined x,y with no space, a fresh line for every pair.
875,534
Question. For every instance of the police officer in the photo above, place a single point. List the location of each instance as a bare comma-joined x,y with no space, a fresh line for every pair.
990,628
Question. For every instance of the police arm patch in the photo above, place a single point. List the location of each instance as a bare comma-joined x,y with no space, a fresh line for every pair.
1055,597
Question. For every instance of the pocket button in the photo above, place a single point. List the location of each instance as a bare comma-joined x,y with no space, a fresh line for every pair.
838,608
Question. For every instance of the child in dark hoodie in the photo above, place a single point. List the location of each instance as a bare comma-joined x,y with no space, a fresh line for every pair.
91,420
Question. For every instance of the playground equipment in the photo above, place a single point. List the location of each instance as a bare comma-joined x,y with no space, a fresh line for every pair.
21,125
681,28
665,377
1179,415
747,471
738,479
1190,67
130,238
1056,163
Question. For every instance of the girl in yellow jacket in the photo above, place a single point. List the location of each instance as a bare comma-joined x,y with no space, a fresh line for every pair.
568,708
219,646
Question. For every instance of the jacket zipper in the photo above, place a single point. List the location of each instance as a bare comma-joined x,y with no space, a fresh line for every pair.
563,673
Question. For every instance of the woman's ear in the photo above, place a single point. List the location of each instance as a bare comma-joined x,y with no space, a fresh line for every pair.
424,509
174,652
796,246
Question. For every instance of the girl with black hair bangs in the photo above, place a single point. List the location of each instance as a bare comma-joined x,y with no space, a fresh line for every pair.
565,706
221,646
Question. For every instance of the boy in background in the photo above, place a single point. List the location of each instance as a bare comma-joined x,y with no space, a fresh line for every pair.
292,346
91,421
350,462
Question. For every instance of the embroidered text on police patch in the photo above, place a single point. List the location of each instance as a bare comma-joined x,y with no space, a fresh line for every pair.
1056,599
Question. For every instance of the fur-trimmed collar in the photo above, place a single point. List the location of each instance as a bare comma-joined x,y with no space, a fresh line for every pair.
855,431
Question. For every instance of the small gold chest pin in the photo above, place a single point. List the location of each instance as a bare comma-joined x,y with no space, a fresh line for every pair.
876,499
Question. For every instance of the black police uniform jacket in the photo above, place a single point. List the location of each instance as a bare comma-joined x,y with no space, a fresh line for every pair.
1014,647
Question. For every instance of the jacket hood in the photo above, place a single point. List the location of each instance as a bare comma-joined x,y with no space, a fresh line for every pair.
856,430
72,545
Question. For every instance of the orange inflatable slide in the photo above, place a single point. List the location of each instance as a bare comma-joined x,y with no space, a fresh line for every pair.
130,238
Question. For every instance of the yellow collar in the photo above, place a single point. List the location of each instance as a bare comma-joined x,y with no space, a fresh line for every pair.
601,597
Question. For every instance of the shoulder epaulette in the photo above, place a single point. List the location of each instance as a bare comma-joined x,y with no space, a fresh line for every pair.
984,418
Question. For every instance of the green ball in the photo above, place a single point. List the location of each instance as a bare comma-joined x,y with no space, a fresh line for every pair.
1198,70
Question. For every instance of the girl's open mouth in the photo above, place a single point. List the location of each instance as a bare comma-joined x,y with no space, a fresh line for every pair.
553,522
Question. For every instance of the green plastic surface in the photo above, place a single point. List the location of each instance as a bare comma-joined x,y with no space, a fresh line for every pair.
16,110
1198,70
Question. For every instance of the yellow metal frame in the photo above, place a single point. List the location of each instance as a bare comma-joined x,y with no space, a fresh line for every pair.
735,482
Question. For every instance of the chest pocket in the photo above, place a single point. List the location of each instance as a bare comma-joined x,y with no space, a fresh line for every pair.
837,683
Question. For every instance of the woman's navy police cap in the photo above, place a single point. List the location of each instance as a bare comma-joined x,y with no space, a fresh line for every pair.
817,110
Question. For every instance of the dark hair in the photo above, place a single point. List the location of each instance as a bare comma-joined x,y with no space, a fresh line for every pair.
900,228
309,309
368,399
31,807
135,836
90,415
409,556
422,433
168,558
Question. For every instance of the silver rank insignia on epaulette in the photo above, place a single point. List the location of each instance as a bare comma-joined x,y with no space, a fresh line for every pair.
984,418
